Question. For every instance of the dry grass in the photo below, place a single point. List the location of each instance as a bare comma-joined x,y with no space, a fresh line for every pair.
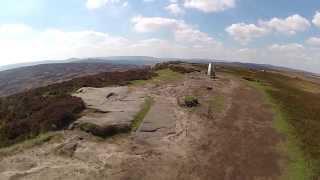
163,76
299,113
37,141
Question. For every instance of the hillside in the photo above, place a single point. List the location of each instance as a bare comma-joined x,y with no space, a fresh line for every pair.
168,122
24,78
125,60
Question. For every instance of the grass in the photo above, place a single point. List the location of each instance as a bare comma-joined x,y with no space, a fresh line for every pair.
297,169
306,85
217,103
37,141
142,113
164,76
297,116
191,101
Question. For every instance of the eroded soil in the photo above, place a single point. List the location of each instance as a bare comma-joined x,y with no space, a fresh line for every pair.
228,136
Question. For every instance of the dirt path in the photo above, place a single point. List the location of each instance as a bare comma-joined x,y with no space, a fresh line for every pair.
245,142
229,136
237,142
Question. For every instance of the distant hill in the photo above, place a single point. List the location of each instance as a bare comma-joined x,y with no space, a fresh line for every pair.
19,77
24,78
131,60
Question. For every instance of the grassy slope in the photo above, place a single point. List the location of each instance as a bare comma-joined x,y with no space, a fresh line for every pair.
297,169
297,115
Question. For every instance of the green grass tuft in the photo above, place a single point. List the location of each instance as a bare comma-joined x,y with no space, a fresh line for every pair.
191,101
142,113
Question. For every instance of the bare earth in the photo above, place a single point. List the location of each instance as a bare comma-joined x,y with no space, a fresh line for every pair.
229,136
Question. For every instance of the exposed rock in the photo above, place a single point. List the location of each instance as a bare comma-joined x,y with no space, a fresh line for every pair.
105,131
114,110
67,149
161,116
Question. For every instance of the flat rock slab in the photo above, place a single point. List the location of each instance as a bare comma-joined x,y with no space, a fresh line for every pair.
113,106
160,117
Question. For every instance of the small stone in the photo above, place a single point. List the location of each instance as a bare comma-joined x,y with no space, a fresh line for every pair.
67,149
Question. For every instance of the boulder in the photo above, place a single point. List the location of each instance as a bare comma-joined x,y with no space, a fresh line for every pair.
106,130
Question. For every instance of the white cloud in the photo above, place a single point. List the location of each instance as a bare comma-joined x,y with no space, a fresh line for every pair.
150,24
244,33
316,19
246,54
292,55
175,9
182,32
313,41
290,25
14,28
293,47
96,4
22,43
208,6
125,4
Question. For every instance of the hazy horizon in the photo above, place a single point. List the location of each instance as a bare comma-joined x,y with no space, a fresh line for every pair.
276,32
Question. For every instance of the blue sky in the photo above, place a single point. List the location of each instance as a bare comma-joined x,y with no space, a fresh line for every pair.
279,32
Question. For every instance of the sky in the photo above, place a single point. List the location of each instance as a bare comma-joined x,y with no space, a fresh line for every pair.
277,32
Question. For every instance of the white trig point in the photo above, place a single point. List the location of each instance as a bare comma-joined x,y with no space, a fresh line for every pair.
211,71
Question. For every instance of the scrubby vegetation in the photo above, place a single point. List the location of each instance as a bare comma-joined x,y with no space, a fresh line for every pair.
26,115
300,110
191,101
104,132
162,76
178,66
39,140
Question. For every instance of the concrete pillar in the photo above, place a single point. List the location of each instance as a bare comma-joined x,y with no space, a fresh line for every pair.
211,71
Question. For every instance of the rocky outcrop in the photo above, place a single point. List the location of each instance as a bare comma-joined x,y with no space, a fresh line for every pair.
114,109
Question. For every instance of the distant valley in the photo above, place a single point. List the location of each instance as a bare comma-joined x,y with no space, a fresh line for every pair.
24,78
20,77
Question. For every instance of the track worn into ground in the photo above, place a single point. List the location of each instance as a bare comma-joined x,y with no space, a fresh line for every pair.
235,141
228,137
